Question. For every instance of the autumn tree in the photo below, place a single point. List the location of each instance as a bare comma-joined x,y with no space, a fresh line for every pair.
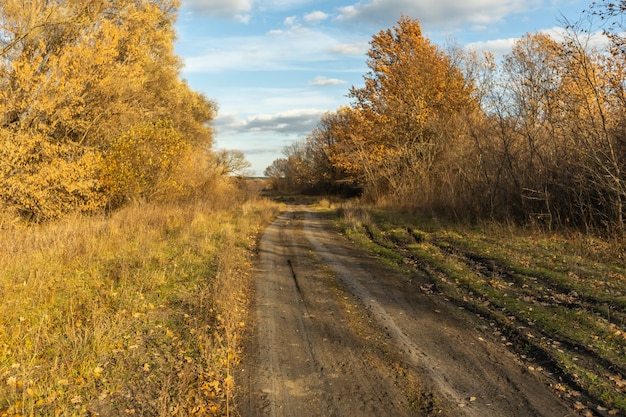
230,162
78,76
40,179
538,137
349,148
325,145
594,92
552,155
324,162
397,138
526,140
277,173
293,173
408,111
140,162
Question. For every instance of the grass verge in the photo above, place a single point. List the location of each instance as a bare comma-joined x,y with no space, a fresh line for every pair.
558,300
137,313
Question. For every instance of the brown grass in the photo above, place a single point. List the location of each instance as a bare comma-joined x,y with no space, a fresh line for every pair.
136,313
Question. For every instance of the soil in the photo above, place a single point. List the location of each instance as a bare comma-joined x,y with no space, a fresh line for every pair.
336,333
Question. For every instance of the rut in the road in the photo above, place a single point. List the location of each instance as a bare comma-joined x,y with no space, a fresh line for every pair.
305,358
338,334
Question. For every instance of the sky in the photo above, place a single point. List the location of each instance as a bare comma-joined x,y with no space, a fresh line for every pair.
274,67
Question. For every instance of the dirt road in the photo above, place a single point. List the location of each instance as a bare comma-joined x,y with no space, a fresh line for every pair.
337,334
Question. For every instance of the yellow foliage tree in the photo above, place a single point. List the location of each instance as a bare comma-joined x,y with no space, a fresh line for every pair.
41,180
80,75
538,138
407,110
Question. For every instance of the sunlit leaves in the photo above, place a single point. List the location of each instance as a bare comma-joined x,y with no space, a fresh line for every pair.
537,137
141,162
79,76
42,180
402,120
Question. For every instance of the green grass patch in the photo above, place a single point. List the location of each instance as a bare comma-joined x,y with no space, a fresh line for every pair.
568,289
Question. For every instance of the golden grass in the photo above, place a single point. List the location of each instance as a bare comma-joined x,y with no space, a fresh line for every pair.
136,313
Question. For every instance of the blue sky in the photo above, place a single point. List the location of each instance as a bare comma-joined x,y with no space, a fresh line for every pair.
275,66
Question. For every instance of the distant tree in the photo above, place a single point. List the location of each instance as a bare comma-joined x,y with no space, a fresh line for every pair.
277,174
294,172
231,162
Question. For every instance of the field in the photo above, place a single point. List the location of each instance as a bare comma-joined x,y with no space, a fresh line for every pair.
142,312
136,313
557,300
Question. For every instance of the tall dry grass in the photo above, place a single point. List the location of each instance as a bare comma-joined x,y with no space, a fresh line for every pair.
135,313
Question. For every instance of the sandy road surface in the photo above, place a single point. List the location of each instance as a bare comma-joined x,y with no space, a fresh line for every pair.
337,334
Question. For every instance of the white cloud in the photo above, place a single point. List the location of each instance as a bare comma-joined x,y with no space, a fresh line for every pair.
281,4
228,9
240,10
502,47
291,121
595,39
357,48
479,28
290,21
440,13
292,48
260,149
315,17
321,81
261,137
499,47
299,121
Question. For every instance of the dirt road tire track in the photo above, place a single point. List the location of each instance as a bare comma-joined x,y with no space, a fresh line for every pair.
337,334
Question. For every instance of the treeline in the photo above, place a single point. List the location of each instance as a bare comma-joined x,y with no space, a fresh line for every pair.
539,136
93,111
